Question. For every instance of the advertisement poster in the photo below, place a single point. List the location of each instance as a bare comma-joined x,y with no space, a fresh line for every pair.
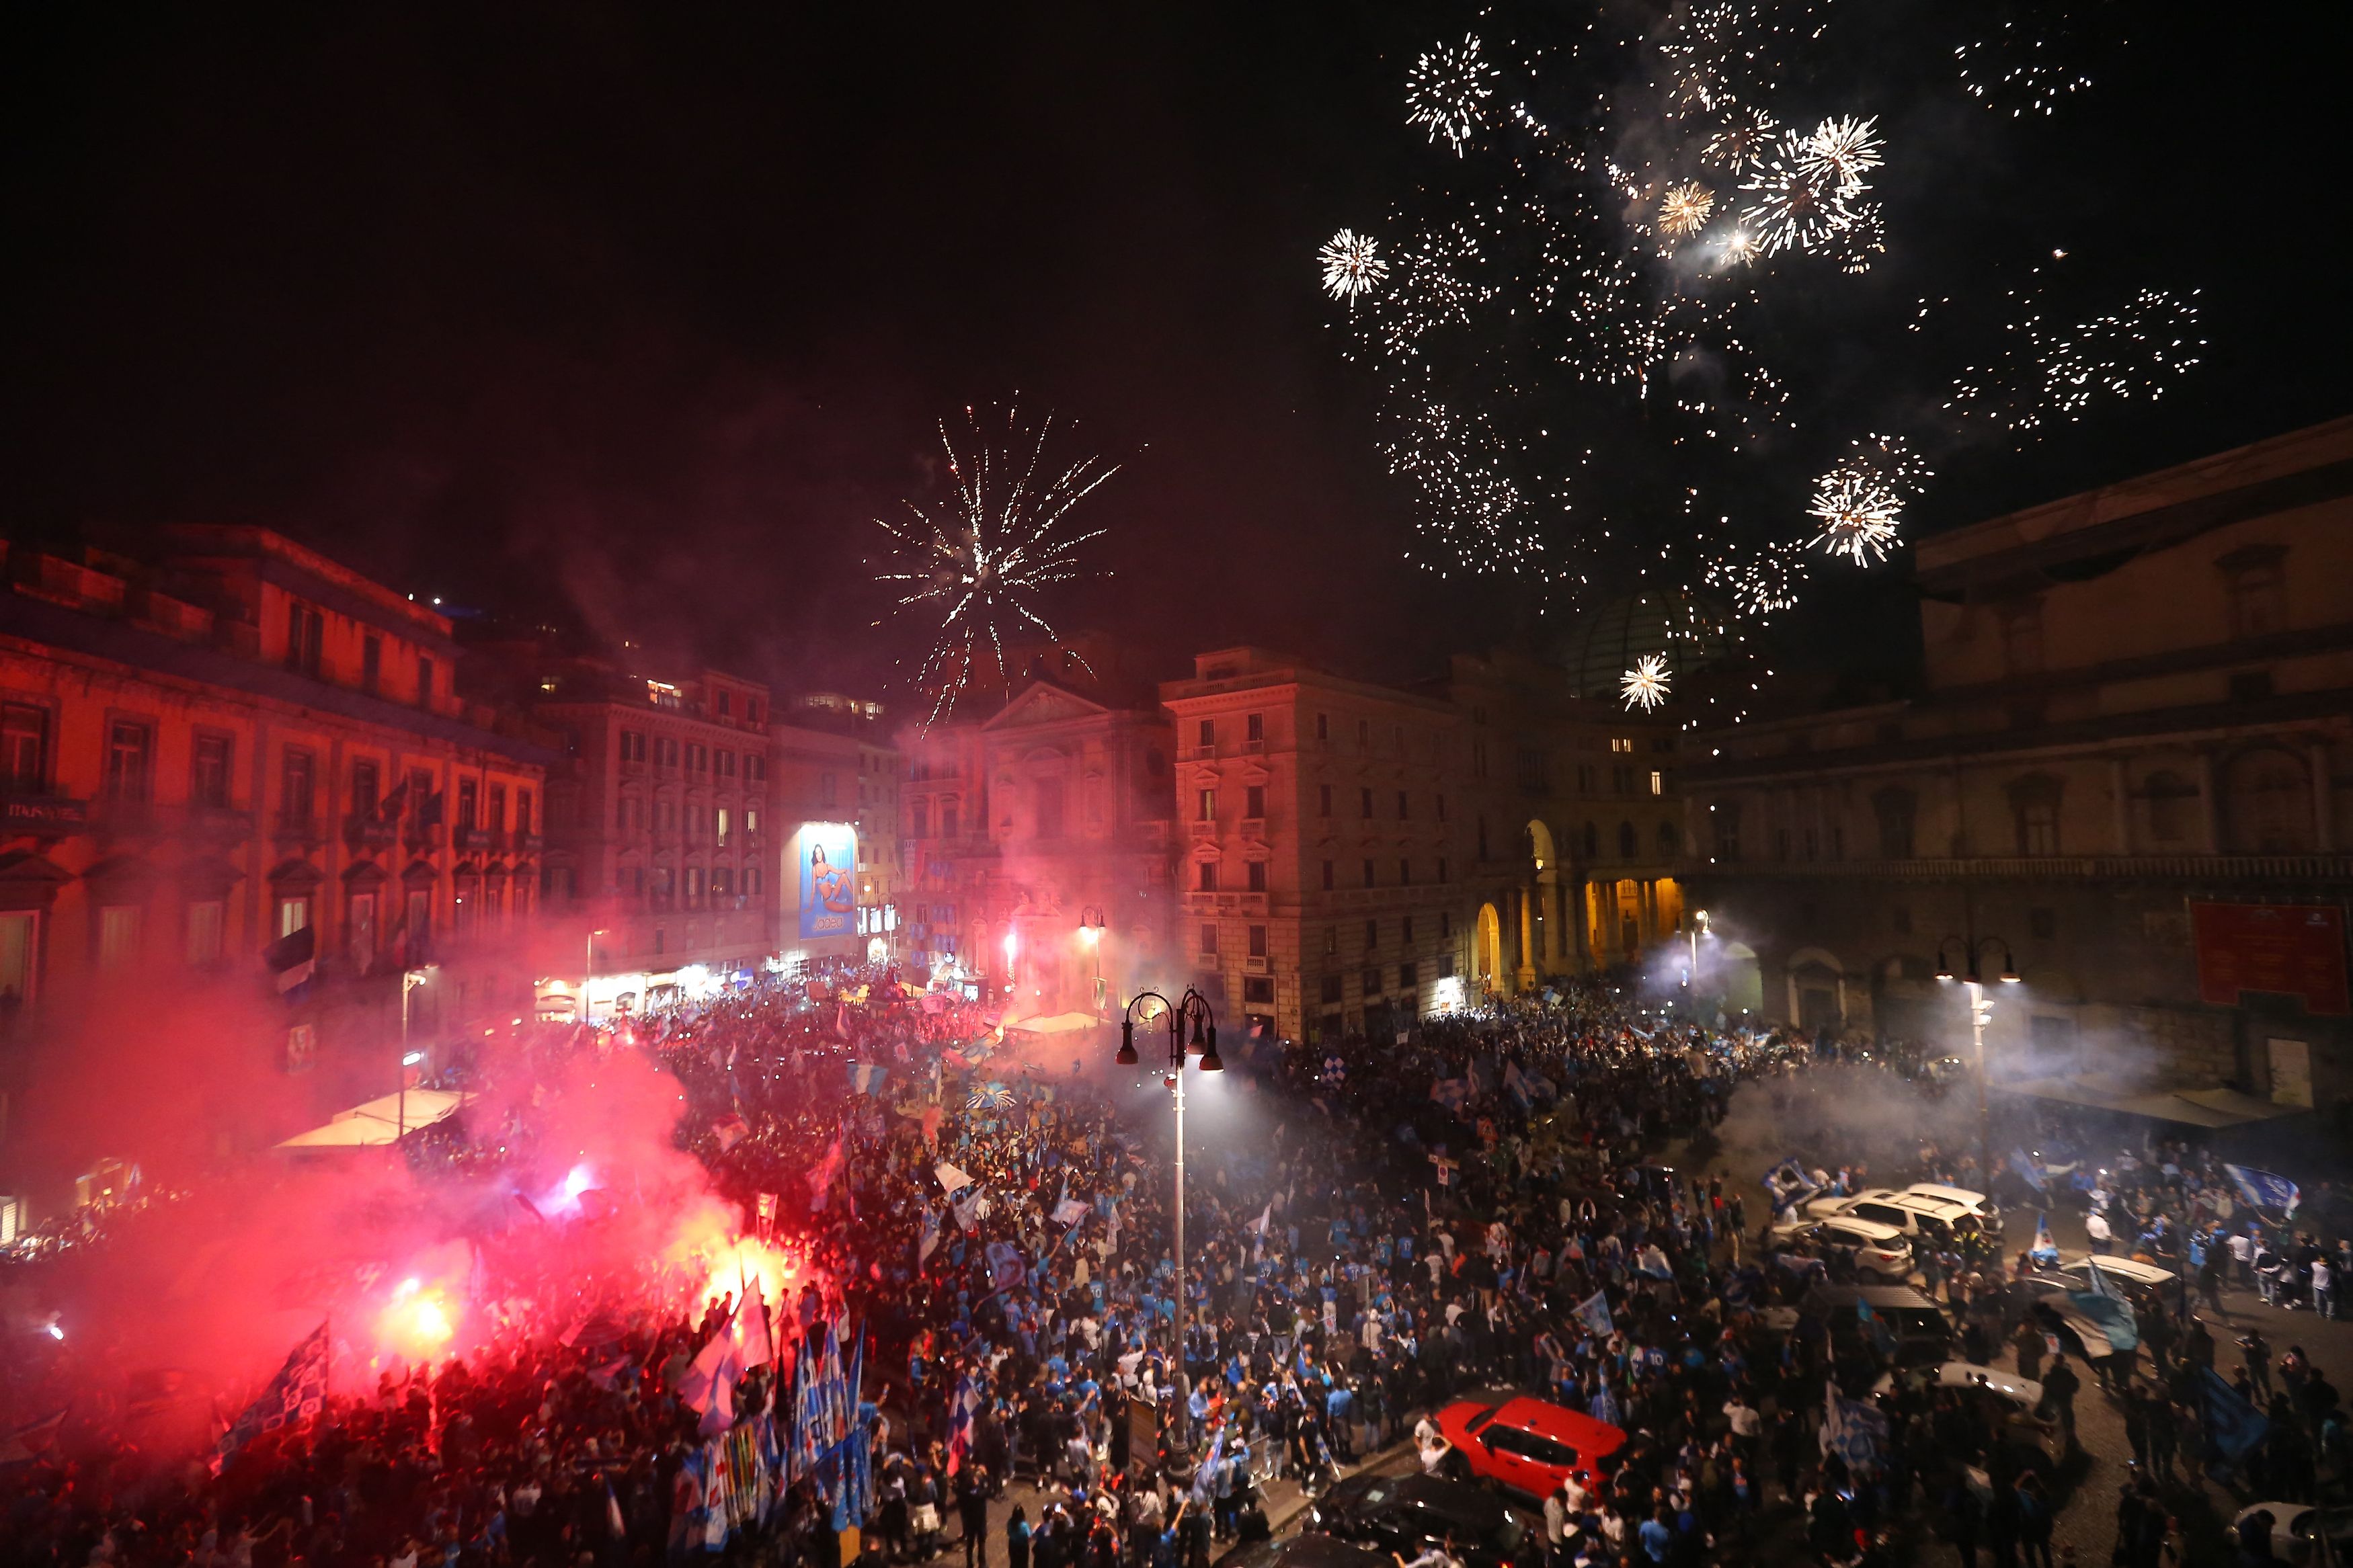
829,878
2296,950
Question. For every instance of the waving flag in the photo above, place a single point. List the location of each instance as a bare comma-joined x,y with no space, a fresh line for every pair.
951,1179
2233,1426
929,1241
2028,1171
990,1096
1517,1084
2265,1189
2045,1251
298,1392
1594,1314
709,1385
868,1077
961,1405
1005,1266
2099,1284
1069,1211
1854,1431
1451,1092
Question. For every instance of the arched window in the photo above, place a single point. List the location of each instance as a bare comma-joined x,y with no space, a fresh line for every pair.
2170,799
1895,808
1629,843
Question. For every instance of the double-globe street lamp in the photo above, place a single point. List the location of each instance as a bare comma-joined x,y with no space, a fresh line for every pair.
1193,1007
1974,950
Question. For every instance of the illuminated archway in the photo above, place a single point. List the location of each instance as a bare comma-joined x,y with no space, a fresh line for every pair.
1487,949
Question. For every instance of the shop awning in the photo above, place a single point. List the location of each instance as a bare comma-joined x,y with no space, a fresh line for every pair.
1052,1024
2211,1108
380,1121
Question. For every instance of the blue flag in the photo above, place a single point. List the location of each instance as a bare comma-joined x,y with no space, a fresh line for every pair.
867,1077
1594,1314
2232,1425
2028,1171
2265,1189
2045,1251
2099,1281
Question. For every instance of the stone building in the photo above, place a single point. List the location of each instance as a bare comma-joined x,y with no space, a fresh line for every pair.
239,741
2128,768
1576,824
1324,869
1038,837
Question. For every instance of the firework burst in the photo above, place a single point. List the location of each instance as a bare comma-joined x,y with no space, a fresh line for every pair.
978,563
1840,152
1351,265
1683,211
1645,685
1446,93
1858,514
1743,143
1797,208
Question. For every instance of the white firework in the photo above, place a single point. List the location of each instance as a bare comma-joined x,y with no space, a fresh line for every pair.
1794,208
979,562
1683,211
1446,93
1351,265
1858,512
1645,685
1840,152
1744,143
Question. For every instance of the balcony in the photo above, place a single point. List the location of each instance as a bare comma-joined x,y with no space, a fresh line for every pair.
1199,903
421,836
475,840
218,823
125,818
297,827
1201,830
1253,828
366,830
528,843
43,815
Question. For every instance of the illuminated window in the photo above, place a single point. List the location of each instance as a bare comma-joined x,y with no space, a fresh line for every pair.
1207,806
1658,781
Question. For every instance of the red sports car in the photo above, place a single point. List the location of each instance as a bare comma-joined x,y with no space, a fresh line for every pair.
1528,1445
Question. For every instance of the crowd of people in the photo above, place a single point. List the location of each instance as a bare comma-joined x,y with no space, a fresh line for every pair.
1370,1229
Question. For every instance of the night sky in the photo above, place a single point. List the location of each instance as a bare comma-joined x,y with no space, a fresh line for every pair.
643,316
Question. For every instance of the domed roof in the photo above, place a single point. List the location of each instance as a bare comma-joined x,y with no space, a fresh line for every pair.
1609,640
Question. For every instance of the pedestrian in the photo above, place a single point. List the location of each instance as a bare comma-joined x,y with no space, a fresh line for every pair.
972,1509
2034,1519
2324,1287
1017,1539
2029,1347
2059,1388
2096,1227
2256,1352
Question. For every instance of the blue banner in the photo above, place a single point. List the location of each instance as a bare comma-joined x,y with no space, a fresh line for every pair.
2265,1189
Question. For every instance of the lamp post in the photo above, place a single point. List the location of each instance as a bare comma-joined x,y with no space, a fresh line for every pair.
1698,930
1090,930
410,979
587,968
1196,1008
1973,949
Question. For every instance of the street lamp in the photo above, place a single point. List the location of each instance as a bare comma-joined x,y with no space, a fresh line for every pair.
1698,930
1091,930
587,968
1974,948
1195,1008
410,979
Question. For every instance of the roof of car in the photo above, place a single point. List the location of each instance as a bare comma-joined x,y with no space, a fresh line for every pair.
1879,1298
1311,1550
2131,1269
1874,1230
1967,1375
1463,1502
1931,1204
1950,1195
1590,1437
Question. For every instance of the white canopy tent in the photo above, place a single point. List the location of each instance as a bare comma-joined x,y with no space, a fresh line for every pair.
1052,1024
380,1121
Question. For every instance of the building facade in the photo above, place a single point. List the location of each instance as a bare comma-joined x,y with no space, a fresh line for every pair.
2129,770
1576,824
1038,850
1324,867
241,742
660,854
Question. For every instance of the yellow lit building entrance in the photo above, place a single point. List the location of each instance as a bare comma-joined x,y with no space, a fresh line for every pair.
1487,950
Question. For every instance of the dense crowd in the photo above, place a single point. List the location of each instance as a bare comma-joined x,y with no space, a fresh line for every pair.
1399,1222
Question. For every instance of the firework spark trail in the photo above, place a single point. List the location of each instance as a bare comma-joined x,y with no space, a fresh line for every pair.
1683,211
1447,92
1351,265
1645,685
979,562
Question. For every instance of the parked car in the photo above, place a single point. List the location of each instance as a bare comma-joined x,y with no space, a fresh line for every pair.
2297,1528
2137,1282
1310,1548
1922,1335
1526,1443
1877,1251
1917,1216
1404,1513
2012,1408
1988,1212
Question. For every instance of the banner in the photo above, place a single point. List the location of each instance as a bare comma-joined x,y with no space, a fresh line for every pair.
828,877
2294,950
299,1393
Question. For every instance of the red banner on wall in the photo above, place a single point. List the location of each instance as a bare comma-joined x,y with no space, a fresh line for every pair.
2296,950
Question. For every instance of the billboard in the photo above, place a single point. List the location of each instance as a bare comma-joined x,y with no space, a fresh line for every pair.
828,852
2297,950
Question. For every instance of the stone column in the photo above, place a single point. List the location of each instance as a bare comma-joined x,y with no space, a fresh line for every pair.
2122,804
2323,828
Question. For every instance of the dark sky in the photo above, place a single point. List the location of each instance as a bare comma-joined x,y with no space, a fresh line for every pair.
649,312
